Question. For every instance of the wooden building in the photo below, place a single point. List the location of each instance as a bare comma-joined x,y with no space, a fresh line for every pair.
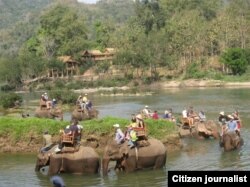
71,68
97,55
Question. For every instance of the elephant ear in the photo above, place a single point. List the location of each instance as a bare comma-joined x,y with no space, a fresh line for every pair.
44,158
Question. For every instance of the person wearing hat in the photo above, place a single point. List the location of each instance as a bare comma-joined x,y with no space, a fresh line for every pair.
202,116
231,124
166,114
147,112
140,121
119,135
48,102
222,118
42,101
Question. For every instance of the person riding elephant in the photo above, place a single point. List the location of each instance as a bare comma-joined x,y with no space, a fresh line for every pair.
231,141
128,160
83,161
80,115
201,130
52,113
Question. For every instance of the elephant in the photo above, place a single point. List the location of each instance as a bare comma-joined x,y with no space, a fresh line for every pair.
230,141
201,130
83,161
52,113
152,156
84,115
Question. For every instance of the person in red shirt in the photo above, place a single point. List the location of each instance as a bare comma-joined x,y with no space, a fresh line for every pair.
155,115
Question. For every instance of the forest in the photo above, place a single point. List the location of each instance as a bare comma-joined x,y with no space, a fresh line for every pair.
155,39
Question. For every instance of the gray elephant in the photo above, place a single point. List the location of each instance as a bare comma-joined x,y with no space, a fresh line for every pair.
84,115
231,141
83,161
153,156
52,113
201,130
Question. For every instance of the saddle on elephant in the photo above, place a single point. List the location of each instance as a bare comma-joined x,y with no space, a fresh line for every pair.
43,104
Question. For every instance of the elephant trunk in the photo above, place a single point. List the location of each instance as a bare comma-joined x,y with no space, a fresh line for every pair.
37,168
105,164
216,135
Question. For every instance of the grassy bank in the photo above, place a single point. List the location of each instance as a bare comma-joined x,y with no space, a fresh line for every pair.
25,134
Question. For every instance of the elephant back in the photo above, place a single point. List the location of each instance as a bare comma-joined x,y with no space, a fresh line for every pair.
154,148
41,112
81,153
84,115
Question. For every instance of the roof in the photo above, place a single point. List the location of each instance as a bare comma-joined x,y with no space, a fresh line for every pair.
66,59
92,52
96,52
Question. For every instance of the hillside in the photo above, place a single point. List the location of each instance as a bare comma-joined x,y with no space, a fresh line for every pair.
20,19
13,11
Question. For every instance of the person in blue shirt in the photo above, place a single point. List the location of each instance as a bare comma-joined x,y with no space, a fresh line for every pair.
231,124
119,135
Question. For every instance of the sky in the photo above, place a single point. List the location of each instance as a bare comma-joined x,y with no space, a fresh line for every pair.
88,1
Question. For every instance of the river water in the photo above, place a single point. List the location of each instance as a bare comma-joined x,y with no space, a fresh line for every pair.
18,169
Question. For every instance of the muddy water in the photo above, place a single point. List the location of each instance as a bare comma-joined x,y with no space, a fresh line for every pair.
18,169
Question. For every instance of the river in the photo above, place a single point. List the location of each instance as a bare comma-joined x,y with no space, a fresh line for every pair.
18,169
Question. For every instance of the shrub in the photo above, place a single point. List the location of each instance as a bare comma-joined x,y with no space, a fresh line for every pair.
9,100
236,60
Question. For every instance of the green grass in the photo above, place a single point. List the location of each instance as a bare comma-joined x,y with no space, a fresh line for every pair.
23,128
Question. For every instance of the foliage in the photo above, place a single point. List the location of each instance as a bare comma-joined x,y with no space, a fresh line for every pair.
64,96
149,36
236,60
194,71
155,128
103,67
8,100
23,128
10,71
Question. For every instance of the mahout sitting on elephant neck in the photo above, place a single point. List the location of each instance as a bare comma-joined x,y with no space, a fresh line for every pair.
152,156
84,161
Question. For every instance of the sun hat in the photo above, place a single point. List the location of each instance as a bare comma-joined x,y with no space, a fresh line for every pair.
222,113
116,125
139,116
80,126
146,106
230,116
166,111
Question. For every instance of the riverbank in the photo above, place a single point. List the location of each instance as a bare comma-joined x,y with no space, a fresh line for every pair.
18,135
174,84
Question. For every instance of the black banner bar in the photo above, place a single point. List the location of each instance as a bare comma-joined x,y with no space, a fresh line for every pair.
208,178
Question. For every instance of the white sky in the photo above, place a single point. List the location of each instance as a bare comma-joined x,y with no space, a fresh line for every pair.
88,1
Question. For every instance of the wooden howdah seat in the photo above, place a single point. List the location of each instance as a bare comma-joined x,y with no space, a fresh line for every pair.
43,104
68,139
185,122
140,131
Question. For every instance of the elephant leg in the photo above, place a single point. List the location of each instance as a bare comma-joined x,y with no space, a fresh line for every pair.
160,161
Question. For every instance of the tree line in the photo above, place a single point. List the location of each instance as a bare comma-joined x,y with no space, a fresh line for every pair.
161,39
